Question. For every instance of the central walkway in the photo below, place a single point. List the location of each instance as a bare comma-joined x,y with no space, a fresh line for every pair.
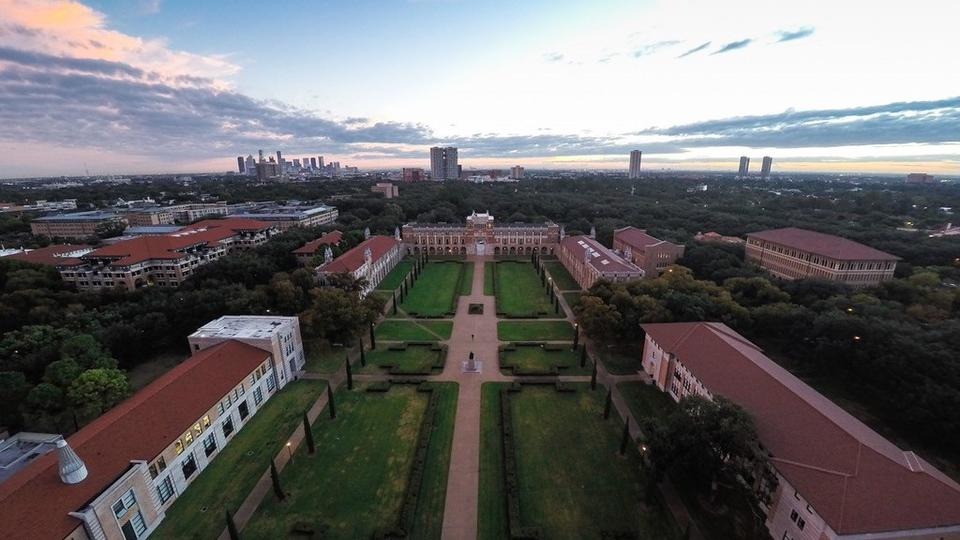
477,334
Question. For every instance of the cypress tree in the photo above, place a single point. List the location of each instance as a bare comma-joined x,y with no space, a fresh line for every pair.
275,480
609,402
308,433
576,336
373,339
626,437
330,403
363,357
593,377
231,526
394,302
350,373
556,306
583,355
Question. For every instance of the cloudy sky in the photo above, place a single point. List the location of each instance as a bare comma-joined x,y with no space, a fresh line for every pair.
162,85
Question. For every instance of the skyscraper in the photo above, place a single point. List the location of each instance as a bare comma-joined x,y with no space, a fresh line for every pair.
766,166
443,163
313,163
240,166
516,172
744,166
320,161
280,162
251,166
635,164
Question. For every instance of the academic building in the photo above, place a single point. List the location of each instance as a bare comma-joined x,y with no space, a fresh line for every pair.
316,247
651,254
836,477
163,260
116,477
286,216
480,236
793,253
74,226
372,260
588,260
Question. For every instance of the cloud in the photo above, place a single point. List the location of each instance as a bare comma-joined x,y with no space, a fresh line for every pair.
930,122
149,7
733,45
790,35
553,57
696,49
650,48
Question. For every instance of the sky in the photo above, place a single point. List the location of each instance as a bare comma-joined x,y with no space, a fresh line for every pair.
149,86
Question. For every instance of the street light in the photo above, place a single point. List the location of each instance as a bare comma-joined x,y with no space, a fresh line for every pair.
290,451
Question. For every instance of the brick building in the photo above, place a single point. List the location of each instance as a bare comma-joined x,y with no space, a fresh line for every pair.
836,478
388,190
313,248
793,253
163,260
74,226
588,260
116,477
649,253
372,260
480,236
286,216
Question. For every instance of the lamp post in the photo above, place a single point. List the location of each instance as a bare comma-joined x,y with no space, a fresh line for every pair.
290,450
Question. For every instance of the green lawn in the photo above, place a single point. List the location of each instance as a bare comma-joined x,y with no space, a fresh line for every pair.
572,298
561,277
322,357
488,278
415,359
435,292
624,359
395,277
466,285
413,330
227,481
645,400
572,482
520,292
526,359
354,484
534,331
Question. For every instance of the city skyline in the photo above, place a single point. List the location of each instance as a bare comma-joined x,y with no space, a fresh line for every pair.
137,87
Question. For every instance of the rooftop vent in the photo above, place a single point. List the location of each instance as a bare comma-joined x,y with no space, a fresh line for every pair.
72,468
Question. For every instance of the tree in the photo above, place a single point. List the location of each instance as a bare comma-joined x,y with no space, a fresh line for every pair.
308,433
275,481
350,372
337,315
331,405
363,357
62,373
593,377
607,404
583,355
625,439
373,338
98,389
346,282
598,319
13,390
86,352
231,526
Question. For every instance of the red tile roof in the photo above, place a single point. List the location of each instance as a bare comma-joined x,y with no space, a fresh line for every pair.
826,245
636,238
855,479
603,258
34,502
353,259
52,254
167,246
313,246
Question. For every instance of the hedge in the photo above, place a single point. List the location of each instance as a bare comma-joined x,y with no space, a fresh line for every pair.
511,481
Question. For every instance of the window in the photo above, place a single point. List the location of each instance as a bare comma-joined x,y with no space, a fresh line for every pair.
222,408
257,396
134,528
124,503
800,523
197,429
206,421
228,427
271,384
178,446
794,515
165,490
189,467
209,444
187,438
243,410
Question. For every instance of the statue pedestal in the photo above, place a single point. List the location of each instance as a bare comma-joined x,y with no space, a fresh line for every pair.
472,365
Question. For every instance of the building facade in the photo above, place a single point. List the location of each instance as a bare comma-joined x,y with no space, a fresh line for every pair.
635,157
766,166
371,260
836,478
744,166
793,253
387,189
116,477
516,172
652,255
74,226
444,163
480,236
412,174
287,216
588,260
920,178
162,260
278,336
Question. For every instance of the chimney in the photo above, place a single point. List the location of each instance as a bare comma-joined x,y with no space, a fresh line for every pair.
72,469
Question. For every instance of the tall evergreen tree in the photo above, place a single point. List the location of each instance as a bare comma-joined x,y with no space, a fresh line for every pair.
275,480
350,373
608,404
231,526
626,437
363,357
373,339
308,434
593,376
583,355
331,406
